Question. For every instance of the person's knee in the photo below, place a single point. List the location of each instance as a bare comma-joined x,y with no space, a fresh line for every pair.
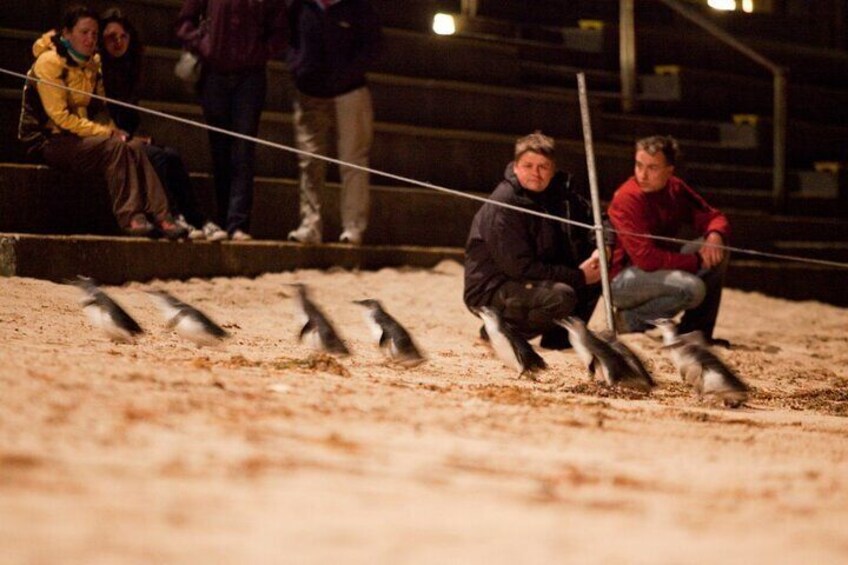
560,301
693,293
116,148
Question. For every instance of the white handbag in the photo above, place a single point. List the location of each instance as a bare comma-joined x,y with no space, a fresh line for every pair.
188,67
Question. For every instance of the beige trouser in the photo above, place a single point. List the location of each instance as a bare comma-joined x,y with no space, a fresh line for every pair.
354,122
133,184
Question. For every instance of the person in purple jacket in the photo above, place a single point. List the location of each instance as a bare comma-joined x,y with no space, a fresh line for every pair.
234,40
333,43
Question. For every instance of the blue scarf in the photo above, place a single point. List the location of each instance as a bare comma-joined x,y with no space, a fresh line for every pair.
74,53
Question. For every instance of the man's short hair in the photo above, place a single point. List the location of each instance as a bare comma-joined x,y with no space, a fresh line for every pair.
537,142
664,144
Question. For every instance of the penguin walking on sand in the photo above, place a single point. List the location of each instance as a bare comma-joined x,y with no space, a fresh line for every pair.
632,359
392,338
599,354
700,368
106,314
510,347
189,322
317,329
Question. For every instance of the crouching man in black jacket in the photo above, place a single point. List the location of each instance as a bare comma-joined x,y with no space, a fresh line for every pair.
534,270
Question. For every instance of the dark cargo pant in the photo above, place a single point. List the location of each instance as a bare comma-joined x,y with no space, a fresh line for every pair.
531,307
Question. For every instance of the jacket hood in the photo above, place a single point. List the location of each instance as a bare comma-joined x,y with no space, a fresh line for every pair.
50,42
44,43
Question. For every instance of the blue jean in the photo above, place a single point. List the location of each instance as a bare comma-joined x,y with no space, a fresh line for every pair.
174,176
643,296
233,101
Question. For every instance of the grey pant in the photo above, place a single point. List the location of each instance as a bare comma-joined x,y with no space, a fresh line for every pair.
643,296
354,122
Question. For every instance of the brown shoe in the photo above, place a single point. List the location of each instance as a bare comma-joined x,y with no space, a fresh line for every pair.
140,226
169,227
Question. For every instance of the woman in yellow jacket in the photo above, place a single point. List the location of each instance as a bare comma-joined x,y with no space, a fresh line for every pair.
58,124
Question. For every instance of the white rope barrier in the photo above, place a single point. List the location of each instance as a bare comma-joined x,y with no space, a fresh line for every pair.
414,182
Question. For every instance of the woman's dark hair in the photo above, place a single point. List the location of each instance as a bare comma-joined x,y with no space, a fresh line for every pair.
74,14
131,61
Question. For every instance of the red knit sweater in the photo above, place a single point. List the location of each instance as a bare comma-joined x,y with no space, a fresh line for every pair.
663,213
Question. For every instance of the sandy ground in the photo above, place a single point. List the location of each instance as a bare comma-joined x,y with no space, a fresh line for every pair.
260,452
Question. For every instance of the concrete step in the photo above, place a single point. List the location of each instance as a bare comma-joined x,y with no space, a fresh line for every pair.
795,281
719,95
761,200
405,53
701,151
117,260
158,15
566,76
823,250
458,159
763,231
806,142
403,99
36,199
698,49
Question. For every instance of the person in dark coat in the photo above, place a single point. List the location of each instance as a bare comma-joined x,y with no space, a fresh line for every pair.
534,270
121,52
234,40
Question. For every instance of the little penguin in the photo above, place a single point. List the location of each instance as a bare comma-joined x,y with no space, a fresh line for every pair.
632,359
317,329
597,353
392,338
189,322
509,345
700,368
106,314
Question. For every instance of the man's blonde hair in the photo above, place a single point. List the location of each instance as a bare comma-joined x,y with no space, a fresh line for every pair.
664,144
537,142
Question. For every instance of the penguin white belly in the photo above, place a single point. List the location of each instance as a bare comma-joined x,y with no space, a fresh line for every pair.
503,349
580,348
375,328
101,320
605,372
714,382
193,329
313,339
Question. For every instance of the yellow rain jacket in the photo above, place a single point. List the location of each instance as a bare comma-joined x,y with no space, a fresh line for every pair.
67,111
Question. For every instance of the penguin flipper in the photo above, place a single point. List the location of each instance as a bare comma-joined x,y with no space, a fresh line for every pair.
307,327
634,362
122,317
590,368
332,342
528,358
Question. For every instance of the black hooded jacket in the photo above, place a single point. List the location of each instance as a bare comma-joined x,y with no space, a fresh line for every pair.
506,244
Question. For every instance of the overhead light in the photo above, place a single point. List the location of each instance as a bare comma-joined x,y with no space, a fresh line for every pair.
728,5
748,6
444,24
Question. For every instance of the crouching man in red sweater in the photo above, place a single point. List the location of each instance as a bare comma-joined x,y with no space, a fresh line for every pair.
652,278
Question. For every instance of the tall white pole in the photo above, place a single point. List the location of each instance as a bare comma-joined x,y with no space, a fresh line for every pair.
596,199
